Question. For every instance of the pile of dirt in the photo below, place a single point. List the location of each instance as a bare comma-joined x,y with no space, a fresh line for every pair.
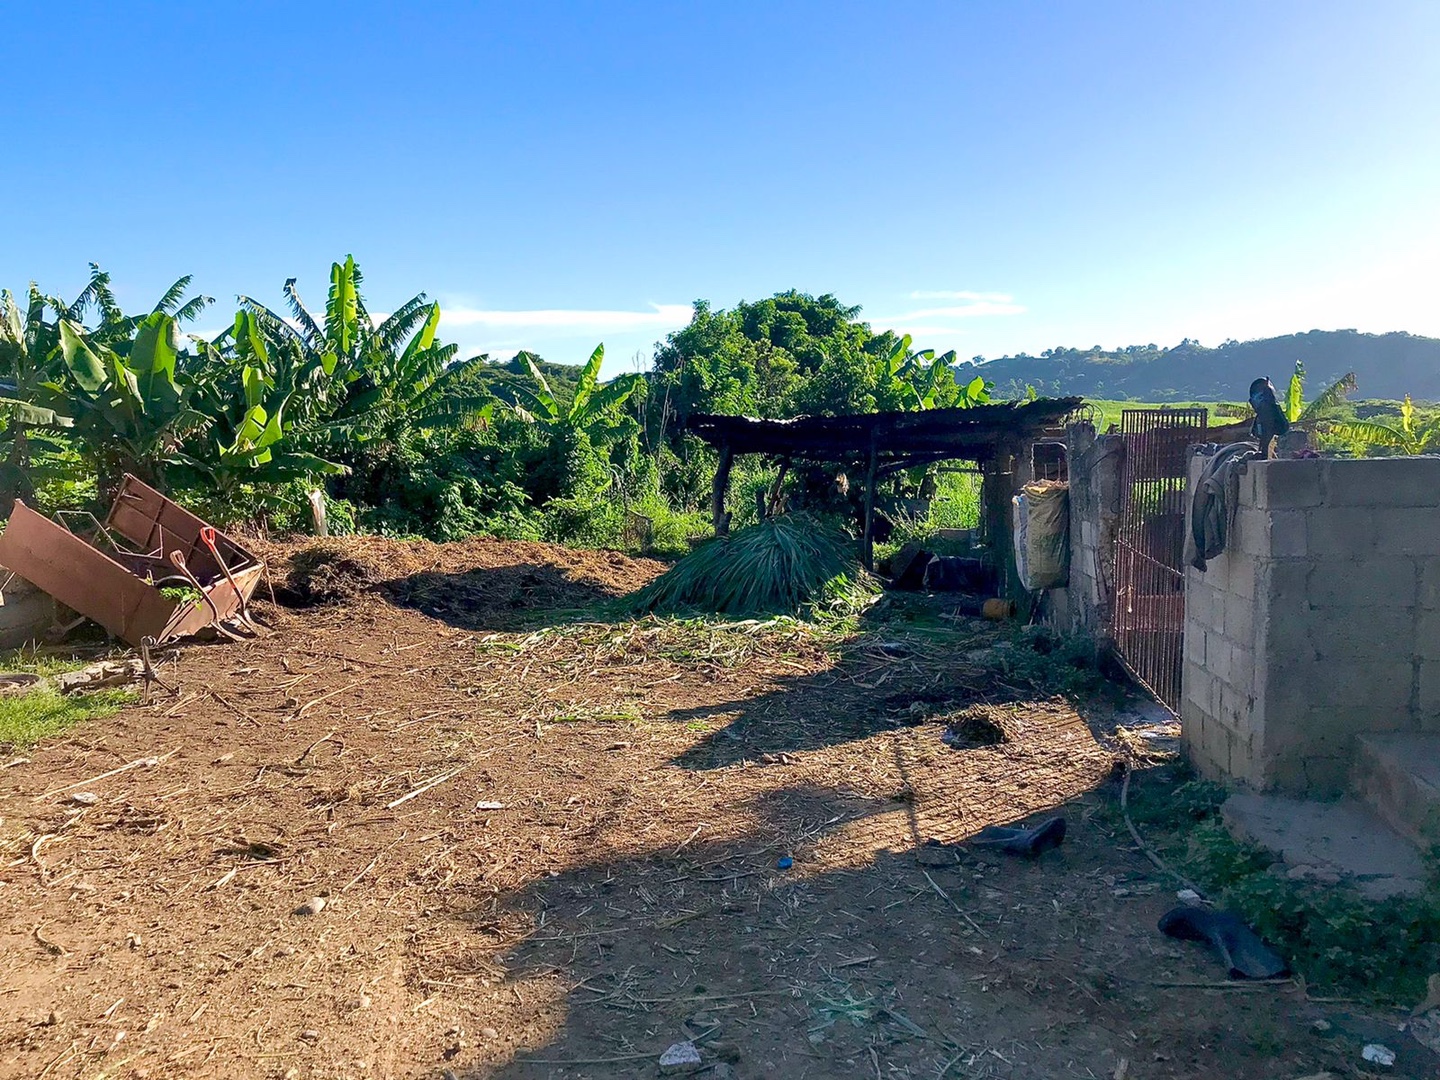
464,581
327,573
979,725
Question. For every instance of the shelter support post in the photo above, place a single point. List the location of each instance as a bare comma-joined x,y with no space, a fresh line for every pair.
718,488
999,483
870,479
772,504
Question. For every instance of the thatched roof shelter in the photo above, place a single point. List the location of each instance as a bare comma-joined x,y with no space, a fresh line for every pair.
881,443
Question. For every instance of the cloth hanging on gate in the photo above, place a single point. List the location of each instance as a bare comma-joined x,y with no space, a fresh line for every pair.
1212,511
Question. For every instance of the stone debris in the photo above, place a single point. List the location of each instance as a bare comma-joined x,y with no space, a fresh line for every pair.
680,1058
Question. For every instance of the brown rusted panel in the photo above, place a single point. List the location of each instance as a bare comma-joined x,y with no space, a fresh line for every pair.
193,618
82,577
116,588
154,523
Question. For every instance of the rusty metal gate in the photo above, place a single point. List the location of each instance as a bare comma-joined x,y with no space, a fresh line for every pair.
1150,548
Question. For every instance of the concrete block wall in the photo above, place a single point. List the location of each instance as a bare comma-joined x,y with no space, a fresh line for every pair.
1320,622
1087,602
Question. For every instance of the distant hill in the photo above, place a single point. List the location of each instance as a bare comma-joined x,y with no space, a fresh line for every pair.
1385,365
510,380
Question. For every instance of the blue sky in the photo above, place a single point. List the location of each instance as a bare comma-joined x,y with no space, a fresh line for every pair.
992,177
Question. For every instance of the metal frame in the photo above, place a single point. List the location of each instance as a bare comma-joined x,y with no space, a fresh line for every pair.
1149,621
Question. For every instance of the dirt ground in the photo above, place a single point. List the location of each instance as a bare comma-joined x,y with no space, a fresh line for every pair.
555,852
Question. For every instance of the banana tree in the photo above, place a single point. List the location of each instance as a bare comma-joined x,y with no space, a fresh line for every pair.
29,358
1299,413
248,395
577,441
364,380
921,380
1409,436
130,411
595,408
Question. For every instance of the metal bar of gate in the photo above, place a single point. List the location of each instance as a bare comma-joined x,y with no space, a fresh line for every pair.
1150,548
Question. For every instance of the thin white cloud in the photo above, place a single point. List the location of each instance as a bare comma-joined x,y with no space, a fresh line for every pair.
964,311
973,310
943,294
569,320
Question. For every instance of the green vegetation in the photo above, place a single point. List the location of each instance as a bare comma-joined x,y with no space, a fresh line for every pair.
1412,434
1340,941
404,438
782,565
26,718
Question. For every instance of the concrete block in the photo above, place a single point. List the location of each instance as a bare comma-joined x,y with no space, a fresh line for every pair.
1242,669
1217,572
1240,620
1197,686
1235,709
1370,696
1372,632
1218,652
1251,535
1427,636
1194,649
1199,603
1430,583
1411,531
1288,484
1398,481
1198,752
1399,777
1288,534
1383,579
1427,697
1325,777
1341,532
1241,578
1216,739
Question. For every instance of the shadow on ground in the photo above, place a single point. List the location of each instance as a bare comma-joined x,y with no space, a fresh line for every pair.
904,963
524,596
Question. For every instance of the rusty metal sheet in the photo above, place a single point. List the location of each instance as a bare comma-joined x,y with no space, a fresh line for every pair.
111,587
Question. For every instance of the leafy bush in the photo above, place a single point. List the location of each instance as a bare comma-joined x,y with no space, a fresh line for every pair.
783,564
1335,937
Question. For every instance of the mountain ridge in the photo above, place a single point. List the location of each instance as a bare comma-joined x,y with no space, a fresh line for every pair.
1385,365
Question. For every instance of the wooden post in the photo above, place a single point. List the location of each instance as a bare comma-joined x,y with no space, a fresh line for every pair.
869,542
998,486
718,488
773,503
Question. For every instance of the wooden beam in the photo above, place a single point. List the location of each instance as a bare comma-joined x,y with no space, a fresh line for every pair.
718,488
870,479
773,503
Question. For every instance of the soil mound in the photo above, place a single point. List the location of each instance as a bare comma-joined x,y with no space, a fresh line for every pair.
466,580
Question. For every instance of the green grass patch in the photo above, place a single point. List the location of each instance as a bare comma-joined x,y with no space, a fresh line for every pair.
1340,941
27,718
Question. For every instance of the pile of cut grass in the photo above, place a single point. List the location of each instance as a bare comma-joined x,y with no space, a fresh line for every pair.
784,564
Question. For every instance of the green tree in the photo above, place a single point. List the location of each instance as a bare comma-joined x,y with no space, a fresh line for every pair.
131,411
39,399
1411,435
577,440
1301,414
364,380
